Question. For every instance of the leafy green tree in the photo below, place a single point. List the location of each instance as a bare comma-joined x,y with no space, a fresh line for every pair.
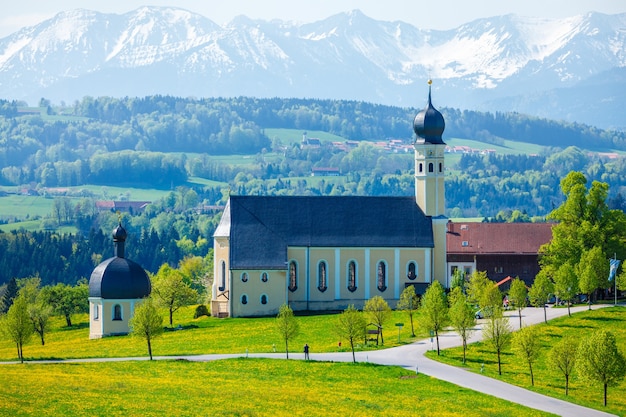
170,290
16,325
593,271
526,345
566,284
287,325
599,360
458,279
67,300
38,311
10,293
194,272
351,325
146,322
586,234
434,310
518,297
378,311
478,287
540,292
497,333
462,317
563,357
409,302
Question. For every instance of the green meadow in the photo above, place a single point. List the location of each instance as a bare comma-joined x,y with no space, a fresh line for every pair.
548,380
237,387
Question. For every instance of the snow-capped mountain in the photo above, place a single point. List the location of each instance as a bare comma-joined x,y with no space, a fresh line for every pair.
547,67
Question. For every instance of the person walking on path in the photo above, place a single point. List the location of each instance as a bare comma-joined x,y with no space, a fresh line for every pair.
306,352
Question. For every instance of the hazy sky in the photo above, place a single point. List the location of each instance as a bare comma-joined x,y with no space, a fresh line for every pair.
425,14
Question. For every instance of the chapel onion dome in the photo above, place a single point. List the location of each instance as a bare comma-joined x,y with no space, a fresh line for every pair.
429,123
119,278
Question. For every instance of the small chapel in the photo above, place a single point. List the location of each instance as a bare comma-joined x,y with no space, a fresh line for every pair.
116,287
325,253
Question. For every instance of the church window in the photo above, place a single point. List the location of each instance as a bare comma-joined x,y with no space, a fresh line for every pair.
382,276
264,277
117,312
431,167
352,276
440,167
293,276
263,299
412,271
244,299
96,312
244,277
421,167
222,286
321,276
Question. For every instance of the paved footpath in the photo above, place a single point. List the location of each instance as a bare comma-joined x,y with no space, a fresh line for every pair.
412,357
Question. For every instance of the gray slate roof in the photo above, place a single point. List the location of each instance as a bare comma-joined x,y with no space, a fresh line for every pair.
262,227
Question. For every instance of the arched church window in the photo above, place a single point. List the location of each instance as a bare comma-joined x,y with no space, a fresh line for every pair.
440,167
431,167
321,276
352,276
264,277
222,286
96,312
264,299
117,312
382,276
293,276
412,271
244,299
420,167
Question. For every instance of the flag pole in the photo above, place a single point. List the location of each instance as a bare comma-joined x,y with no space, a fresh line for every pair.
615,279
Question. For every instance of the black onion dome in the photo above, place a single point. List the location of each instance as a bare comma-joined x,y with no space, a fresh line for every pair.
119,234
118,277
429,123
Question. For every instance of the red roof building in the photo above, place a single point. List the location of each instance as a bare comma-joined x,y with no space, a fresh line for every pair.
499,249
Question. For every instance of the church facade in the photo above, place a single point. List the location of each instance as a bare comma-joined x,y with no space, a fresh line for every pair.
325,253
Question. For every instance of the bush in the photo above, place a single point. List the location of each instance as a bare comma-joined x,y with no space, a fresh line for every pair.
201,310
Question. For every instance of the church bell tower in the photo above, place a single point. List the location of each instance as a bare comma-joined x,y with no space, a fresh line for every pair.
429,163
429,182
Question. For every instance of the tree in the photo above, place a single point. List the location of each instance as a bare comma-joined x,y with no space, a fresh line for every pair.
497,333
17,325
9,295
462,317
286,325
599,360
351,326
146,322
38,311
540,292
171,291
566,284
478,286
434,310
593,271
409,302
518,297
194,271
586,233
526,346
458,279
563,357
67,300
378,312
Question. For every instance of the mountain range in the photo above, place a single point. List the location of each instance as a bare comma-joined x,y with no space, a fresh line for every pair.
572,68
